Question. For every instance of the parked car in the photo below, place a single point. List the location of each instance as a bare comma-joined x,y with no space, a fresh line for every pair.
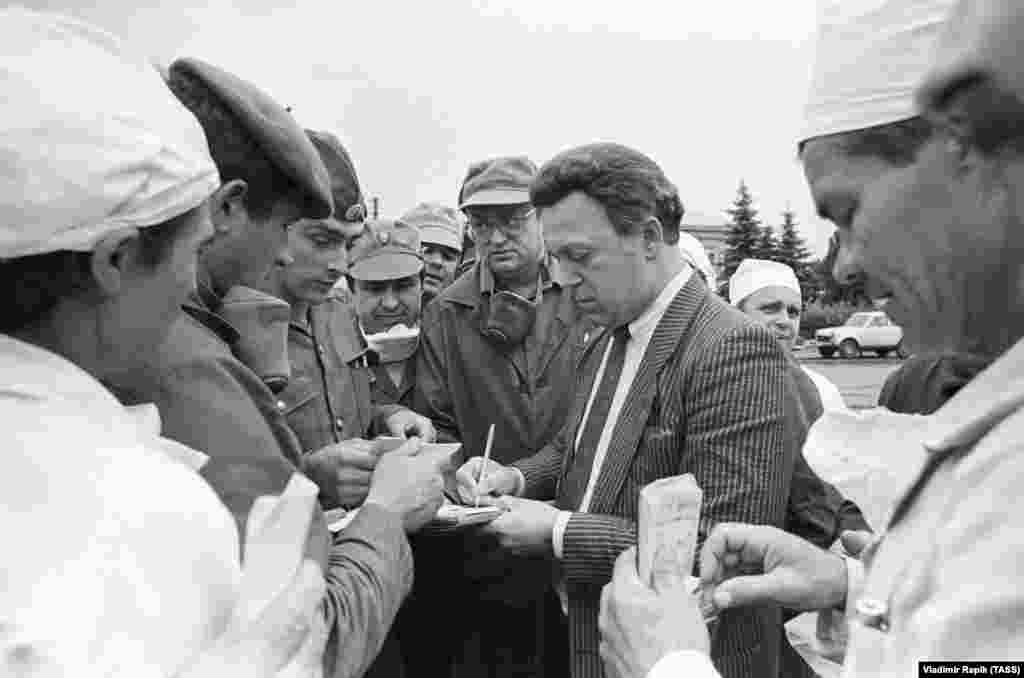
868,330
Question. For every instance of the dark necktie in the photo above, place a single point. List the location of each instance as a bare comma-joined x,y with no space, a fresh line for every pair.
578,474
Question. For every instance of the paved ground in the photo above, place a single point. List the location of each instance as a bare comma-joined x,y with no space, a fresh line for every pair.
858,380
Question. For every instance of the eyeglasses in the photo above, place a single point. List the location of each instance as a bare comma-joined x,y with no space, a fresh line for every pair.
512,224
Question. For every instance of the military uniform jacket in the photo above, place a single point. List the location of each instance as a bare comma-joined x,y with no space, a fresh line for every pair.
211,402
329,396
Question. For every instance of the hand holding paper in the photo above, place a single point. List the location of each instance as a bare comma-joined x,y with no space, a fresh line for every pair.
410,482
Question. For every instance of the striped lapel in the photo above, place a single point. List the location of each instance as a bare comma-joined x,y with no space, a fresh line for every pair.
633,417
586,372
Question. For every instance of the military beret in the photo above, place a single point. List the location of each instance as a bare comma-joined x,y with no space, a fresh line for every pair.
348,196
272,128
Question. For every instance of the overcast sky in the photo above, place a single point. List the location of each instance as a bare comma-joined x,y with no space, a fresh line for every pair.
711,89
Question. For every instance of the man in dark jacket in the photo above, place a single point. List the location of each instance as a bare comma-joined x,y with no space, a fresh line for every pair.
208,399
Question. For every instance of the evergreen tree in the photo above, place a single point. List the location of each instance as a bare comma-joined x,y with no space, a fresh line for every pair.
792,248
744,232
792,251
767,245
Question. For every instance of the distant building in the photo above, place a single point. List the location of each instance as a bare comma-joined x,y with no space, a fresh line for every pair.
711,231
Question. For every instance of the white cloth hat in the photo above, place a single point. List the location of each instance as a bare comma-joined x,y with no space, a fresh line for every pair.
756,274
92,140
696,256
870,57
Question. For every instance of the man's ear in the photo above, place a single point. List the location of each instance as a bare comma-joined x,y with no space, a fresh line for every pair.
227,207
653,236
113,257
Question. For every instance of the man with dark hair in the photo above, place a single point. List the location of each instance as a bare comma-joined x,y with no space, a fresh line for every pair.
498,348
208,399
676,383
119,557
944,582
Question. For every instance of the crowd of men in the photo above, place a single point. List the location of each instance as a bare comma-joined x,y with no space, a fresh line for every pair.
154,225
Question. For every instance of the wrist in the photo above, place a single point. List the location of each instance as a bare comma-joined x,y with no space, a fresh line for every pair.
839,582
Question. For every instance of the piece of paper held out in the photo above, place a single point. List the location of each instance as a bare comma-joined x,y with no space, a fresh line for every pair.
669,516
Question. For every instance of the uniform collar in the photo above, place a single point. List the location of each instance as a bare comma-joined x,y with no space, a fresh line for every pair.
198,307
469,289
981,405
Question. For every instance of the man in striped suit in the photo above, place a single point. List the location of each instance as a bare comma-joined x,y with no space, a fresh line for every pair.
677,383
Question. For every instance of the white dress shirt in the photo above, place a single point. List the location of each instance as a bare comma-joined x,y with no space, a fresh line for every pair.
640,332
831,398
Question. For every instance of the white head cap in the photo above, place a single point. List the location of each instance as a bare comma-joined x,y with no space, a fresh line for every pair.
756,274
870,57
92,139
696,256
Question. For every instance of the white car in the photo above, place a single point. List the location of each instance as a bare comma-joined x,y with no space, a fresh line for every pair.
870,330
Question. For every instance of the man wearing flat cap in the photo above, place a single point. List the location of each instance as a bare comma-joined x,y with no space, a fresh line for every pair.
498,348
441,238
208,399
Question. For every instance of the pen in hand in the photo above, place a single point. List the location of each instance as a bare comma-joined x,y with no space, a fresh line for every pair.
483,467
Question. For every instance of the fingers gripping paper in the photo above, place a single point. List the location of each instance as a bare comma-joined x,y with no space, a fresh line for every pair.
669,516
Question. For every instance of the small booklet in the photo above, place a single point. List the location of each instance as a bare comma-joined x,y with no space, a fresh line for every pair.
454,518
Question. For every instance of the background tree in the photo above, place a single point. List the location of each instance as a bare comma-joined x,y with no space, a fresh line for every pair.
792,251
767,245
744,236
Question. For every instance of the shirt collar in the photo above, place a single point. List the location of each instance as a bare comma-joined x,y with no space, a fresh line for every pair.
34,372
550,275
642,328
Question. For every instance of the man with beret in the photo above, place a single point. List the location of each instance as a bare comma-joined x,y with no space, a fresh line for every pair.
441,238
499,348
119,558
208,399
328,400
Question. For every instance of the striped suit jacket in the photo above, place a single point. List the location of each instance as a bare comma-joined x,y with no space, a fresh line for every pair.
711,398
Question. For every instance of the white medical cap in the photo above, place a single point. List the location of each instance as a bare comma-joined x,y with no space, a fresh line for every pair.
92,140
870,57
756,274
696,256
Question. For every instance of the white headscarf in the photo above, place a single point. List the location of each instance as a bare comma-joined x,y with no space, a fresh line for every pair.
870,57
696,256
756,274
91,138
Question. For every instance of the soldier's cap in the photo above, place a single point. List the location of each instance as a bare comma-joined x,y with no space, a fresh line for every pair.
498,181
273,129
349,204
437,224
388,249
